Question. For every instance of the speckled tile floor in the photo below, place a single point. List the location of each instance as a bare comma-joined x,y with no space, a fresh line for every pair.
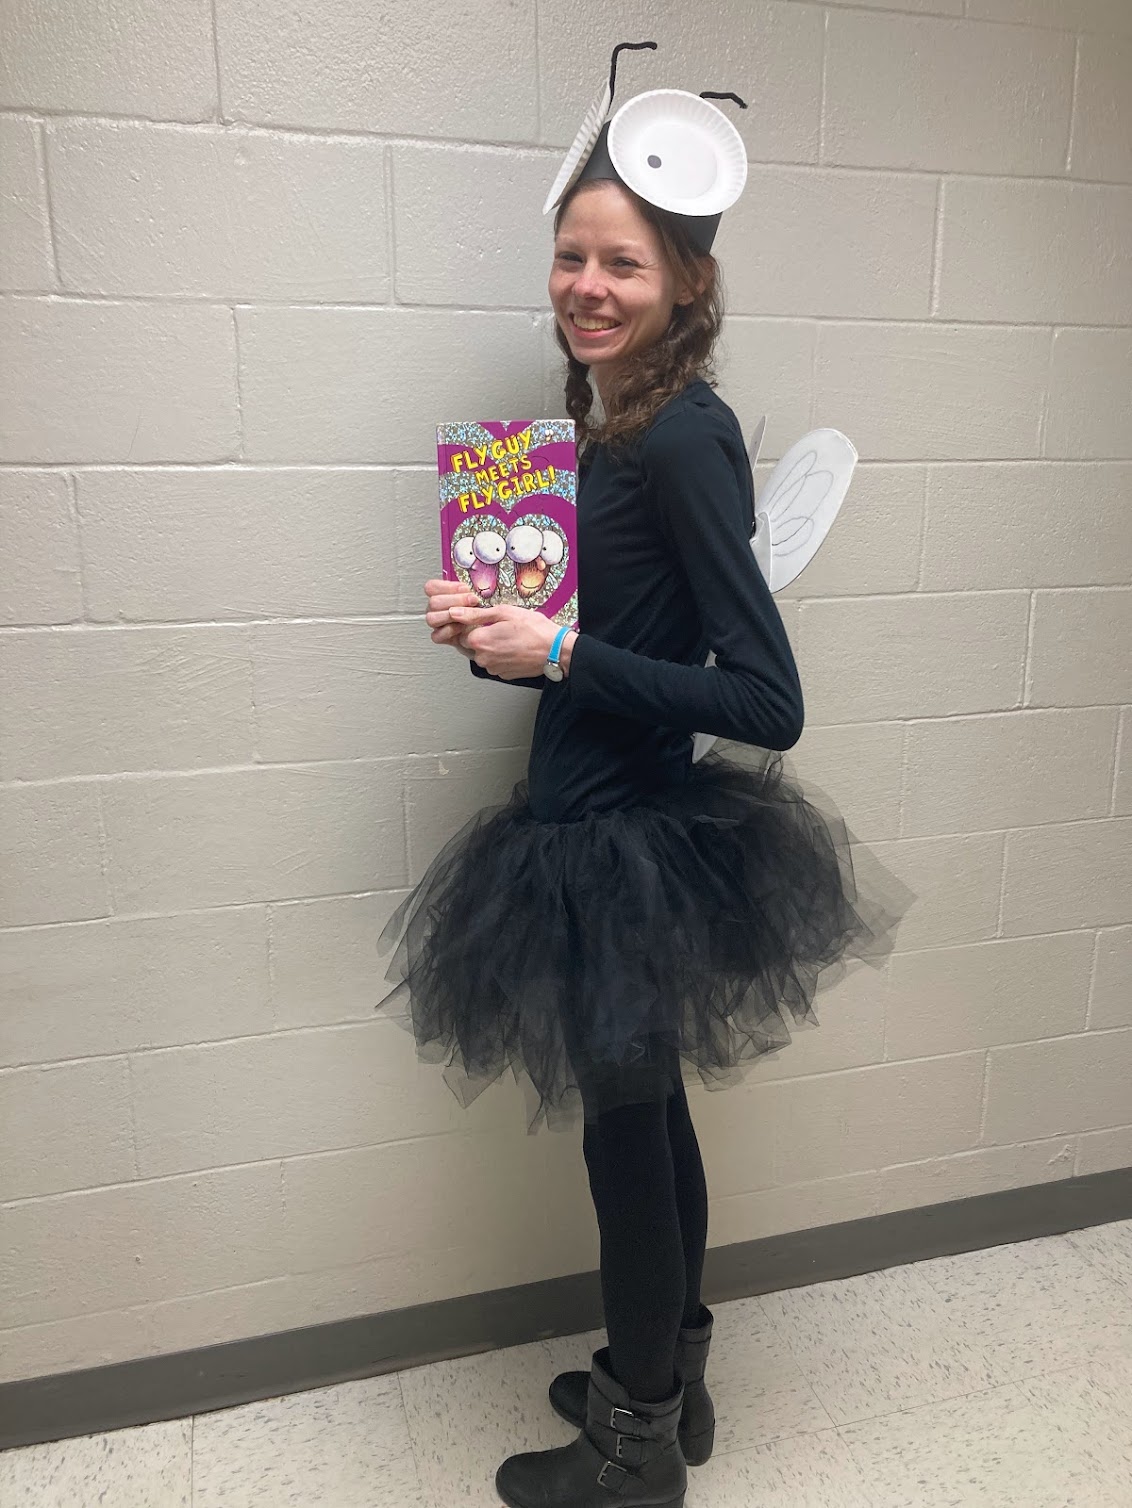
997,1379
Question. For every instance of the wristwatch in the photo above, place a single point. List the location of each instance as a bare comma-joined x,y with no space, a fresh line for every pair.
552,670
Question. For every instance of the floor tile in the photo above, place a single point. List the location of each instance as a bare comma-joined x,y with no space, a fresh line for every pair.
1037,1352
756,1386
345,1446
999,1449
874,1344
1109,1249
147,1467
466,1416
1092,1405
813,1470
1031,1287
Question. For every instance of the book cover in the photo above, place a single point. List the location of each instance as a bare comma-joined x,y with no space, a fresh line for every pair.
508,511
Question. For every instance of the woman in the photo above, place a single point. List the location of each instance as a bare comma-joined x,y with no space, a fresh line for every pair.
626,907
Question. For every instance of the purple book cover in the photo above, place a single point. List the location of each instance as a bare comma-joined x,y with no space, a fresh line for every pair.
508,511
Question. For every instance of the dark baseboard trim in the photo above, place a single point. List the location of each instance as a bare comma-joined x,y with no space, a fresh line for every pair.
213,1377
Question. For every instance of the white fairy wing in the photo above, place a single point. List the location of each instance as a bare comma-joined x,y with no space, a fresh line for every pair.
576,158
801,499
794,512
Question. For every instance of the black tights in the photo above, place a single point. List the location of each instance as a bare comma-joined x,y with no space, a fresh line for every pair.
649,1192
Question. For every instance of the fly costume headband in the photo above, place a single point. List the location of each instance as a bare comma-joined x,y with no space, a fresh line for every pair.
672,148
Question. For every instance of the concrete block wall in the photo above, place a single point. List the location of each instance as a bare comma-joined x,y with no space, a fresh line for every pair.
251,255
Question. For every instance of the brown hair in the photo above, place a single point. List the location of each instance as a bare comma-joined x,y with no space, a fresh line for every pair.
685,351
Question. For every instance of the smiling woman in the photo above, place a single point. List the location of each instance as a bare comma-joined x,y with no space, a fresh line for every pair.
637,307
628,909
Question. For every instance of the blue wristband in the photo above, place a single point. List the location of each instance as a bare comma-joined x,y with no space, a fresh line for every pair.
555,648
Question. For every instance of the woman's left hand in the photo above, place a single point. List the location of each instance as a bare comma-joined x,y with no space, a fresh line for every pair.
506,641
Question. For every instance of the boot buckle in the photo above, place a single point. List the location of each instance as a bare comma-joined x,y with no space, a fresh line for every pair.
616,1485
628,1415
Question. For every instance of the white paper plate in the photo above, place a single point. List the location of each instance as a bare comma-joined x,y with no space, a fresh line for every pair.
575,159
679,152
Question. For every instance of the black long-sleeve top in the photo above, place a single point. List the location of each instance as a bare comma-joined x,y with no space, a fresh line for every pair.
665,574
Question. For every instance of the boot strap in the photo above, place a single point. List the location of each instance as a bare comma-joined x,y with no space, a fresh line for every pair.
631,1449
615,1483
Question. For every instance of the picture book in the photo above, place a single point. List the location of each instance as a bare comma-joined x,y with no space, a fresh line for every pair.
508,512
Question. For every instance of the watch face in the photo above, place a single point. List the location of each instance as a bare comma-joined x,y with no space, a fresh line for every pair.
552,672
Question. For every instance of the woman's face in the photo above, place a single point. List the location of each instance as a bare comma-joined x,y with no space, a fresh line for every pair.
609,270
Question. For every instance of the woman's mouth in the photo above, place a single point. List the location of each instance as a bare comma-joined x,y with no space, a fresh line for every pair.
592,327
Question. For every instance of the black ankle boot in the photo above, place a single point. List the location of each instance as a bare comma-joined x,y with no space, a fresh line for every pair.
627,1455
697,1422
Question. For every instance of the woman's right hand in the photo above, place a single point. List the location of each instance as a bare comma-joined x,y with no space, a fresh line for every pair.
443,595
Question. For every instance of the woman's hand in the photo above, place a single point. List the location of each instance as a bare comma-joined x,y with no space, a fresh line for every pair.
507,641
442,597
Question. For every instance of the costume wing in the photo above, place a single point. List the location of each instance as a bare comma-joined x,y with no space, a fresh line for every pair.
575,159
794,513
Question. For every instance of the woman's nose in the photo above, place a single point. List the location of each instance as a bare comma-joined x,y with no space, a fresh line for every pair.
589,282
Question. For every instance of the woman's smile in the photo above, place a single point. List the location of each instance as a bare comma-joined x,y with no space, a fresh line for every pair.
593,326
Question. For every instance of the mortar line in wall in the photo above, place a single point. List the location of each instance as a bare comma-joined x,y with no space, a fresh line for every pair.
936,274
538,72
242,302
356,763
80,543
311,1028
361,762
1073,103
1029,1141
230,1167
49,201
902,798
103,853
216,62
361,620
823,87
1027,688
537,150
1125,718
1047,388
124,918
1001,918
238,384
1092,977
923,540
257,758
888,12
133,1115
815,346
131,468
390,222
984,1107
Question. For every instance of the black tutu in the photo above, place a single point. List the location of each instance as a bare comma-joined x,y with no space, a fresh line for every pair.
592,957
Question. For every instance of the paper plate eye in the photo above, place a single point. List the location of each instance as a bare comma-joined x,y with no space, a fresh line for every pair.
679,152
576,157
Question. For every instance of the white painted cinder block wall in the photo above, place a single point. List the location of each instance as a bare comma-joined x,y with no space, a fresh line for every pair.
251,261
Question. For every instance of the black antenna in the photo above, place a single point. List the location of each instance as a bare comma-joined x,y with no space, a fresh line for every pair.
624,47
711,94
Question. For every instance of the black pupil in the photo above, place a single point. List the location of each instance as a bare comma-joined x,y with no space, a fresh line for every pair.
654,160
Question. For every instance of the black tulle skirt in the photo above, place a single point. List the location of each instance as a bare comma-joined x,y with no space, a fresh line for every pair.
594,957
